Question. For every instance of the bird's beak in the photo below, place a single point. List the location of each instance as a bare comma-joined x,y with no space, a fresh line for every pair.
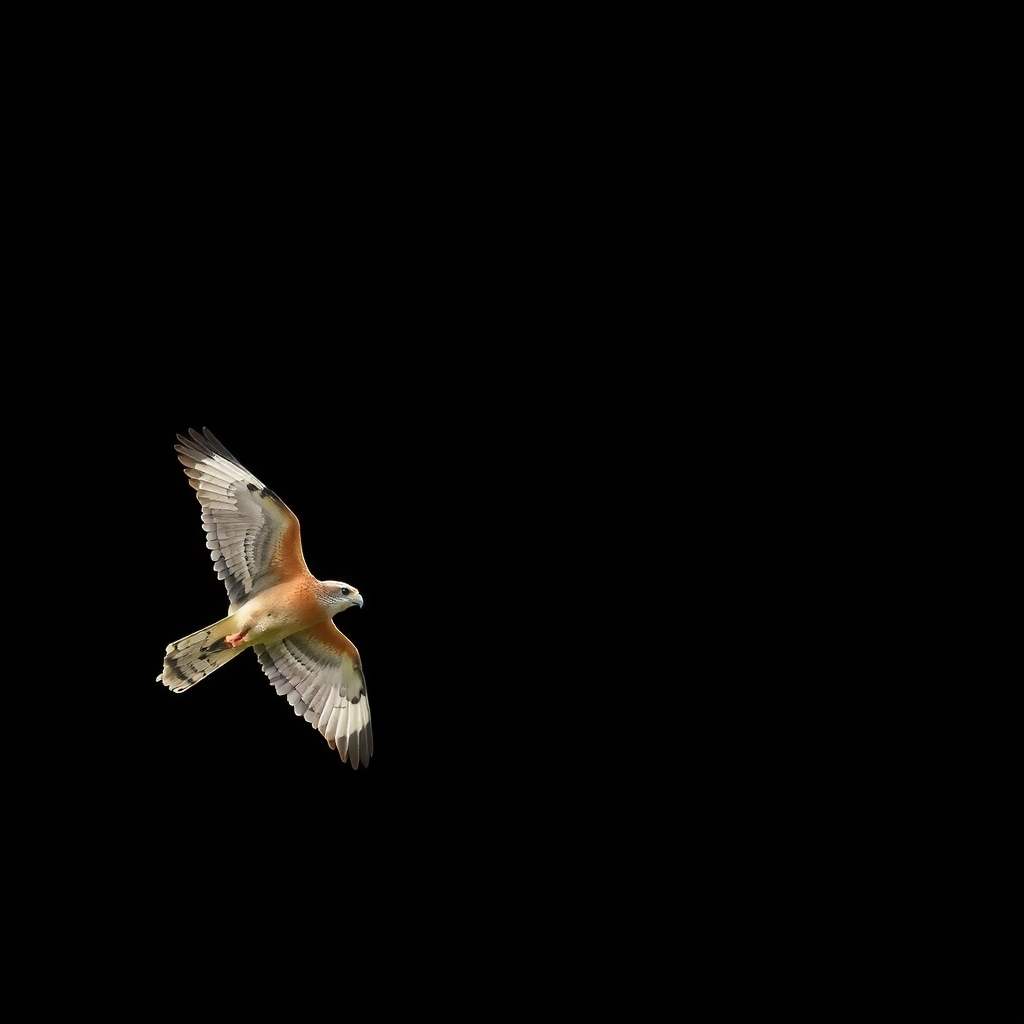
358,599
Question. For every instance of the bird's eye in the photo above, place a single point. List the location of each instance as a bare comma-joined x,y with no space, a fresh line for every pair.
346,591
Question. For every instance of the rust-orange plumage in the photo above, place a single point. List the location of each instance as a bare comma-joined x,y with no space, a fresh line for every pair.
276,606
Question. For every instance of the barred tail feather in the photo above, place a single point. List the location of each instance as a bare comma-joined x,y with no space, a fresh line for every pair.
194,657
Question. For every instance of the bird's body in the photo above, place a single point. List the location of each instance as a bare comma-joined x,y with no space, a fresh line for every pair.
277,607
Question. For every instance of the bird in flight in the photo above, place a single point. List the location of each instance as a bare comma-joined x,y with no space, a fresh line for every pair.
276,606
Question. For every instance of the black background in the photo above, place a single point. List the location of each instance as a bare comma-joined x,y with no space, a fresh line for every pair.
628,739
654,740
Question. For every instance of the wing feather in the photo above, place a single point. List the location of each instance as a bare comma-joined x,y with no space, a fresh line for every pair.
342,734
332,724
252,535
319,672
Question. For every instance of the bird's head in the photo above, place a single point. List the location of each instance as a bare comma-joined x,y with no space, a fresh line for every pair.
342,596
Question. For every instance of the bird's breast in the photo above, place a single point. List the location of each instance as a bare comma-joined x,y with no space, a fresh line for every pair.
281,610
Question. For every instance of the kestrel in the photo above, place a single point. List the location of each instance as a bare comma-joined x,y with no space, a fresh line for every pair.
276,606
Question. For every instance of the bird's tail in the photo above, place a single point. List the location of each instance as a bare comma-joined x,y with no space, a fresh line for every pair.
194,657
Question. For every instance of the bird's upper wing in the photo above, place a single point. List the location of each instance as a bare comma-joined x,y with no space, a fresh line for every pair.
252,535
320,672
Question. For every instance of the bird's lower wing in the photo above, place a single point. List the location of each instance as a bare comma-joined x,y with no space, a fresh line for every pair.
319,671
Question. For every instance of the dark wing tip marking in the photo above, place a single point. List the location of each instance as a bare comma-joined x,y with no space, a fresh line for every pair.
207,444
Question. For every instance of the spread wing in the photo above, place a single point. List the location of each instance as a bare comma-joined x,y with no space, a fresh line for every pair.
252,535
320,672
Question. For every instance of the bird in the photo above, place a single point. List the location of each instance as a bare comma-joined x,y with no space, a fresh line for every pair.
276,606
